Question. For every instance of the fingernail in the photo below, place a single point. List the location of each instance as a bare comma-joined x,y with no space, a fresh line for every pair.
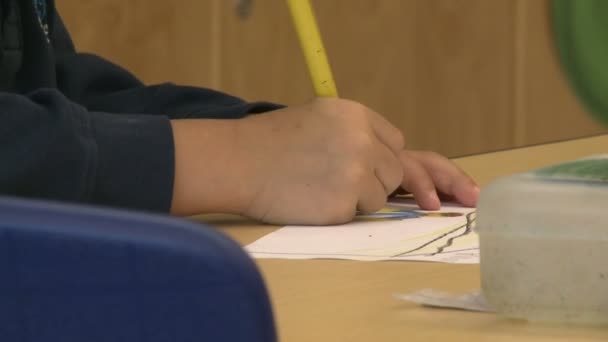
475,196
434,201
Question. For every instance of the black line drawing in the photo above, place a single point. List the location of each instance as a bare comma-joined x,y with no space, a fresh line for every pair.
324,255
436,238
468,228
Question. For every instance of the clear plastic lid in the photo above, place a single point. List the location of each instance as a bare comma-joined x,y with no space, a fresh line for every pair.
565,200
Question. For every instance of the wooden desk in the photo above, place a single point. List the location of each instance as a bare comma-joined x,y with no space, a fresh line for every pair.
331,300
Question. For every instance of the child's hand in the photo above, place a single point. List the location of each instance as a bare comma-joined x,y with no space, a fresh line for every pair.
323,162
427,174
317,163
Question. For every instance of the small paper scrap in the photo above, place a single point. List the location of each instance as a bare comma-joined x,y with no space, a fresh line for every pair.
473,301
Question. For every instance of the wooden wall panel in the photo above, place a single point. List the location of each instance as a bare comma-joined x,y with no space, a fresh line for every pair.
551,110
260,56
370,46
157,40
464,75
440,70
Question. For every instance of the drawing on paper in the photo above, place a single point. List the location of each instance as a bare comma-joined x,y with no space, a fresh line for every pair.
402,214
400,232
443,241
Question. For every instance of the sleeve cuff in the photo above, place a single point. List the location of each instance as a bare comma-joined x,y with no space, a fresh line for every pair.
136,161
262,107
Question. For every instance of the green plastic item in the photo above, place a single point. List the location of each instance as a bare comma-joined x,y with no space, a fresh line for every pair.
586,170
581,35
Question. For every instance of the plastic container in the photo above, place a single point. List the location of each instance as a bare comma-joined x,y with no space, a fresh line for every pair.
544,243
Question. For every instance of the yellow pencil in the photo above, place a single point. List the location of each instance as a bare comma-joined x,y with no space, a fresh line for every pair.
312,46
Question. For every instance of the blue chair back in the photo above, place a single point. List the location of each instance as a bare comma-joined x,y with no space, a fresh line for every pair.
73,273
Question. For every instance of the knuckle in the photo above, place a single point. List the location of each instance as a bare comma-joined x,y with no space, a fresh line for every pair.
391,176
341,213
355,144
374,205
343,110
399,139
378,204
354,174
362,141
355,110
412,179
354,105
396,169
431,155
395,179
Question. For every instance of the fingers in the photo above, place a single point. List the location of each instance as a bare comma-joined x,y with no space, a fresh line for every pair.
381,179
417,180
388,169
373,195
388,134
387,176
448,178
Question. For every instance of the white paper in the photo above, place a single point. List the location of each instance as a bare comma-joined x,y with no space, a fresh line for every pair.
399,232
473,301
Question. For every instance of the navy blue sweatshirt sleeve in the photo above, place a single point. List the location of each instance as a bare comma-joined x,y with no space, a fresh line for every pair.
58,150
100,85
82,129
